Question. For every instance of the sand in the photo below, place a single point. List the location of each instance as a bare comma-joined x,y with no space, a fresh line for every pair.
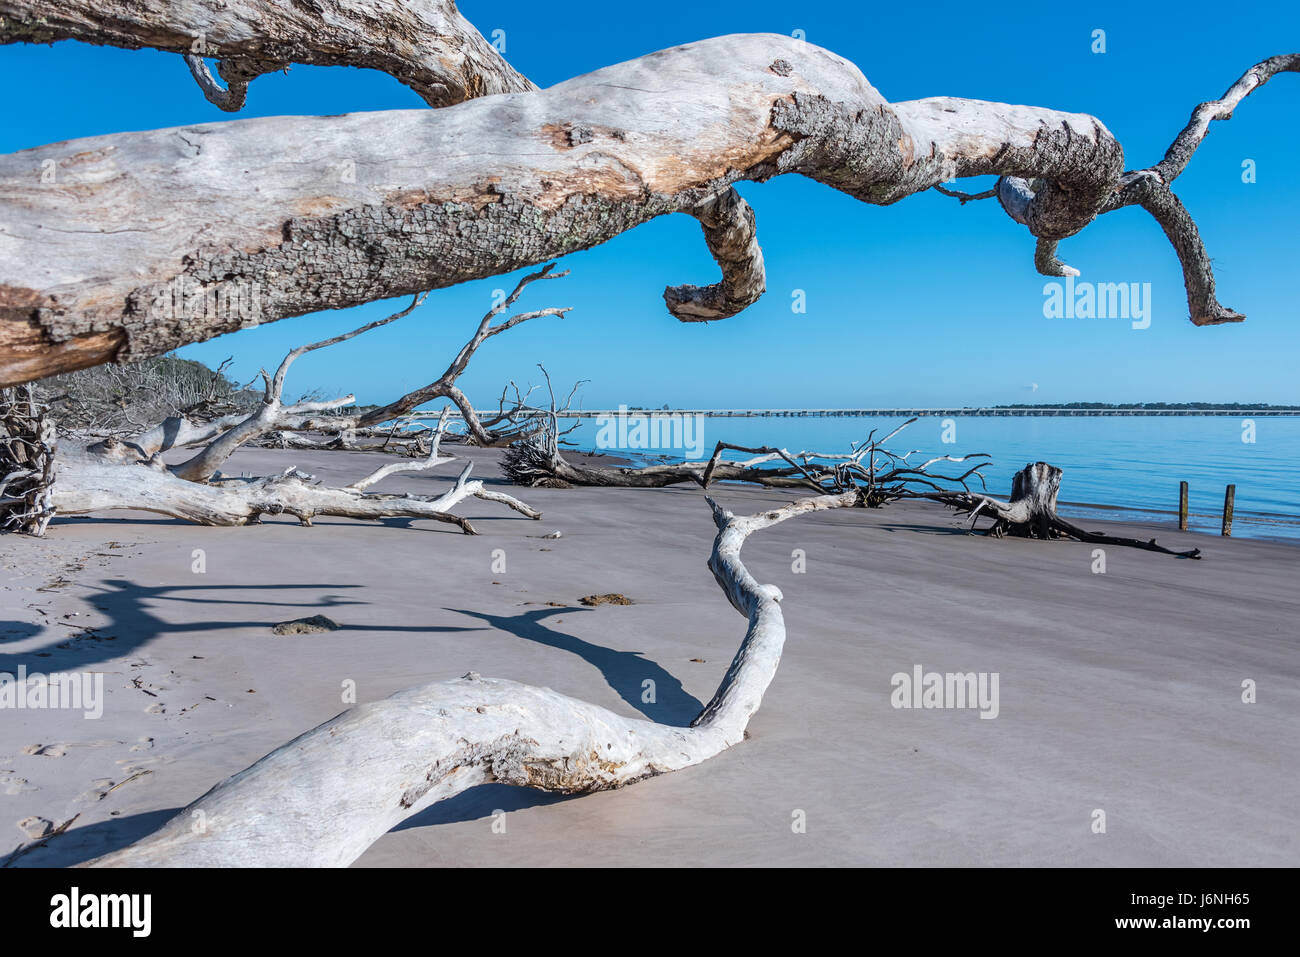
1119,692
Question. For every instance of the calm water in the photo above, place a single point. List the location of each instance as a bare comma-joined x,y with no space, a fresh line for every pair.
1128,465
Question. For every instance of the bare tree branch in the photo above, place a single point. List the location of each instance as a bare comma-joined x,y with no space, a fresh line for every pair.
425,44
519,179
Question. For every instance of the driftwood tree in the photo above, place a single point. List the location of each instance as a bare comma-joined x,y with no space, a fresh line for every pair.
130,473
1031,512
291,215
870,468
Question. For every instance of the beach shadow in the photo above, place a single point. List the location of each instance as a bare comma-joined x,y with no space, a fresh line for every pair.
477,803
624,671
18,630
133,622
82,844
924,529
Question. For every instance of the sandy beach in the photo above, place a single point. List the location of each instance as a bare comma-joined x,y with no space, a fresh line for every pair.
1119,691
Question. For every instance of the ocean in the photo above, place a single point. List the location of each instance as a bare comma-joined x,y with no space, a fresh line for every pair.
1117,467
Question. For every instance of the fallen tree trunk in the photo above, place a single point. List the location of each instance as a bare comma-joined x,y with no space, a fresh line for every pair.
356,208
1031,512
326,796
85,482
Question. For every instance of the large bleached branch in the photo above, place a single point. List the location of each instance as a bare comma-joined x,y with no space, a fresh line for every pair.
147,241
87,482
326,796
425,44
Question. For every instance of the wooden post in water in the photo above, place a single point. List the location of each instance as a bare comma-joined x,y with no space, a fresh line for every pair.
1182,506
1228,498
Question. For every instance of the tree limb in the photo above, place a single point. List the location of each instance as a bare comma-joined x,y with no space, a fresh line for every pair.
425,44
519,179
359,213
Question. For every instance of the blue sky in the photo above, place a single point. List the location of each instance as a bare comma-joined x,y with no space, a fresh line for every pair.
923,302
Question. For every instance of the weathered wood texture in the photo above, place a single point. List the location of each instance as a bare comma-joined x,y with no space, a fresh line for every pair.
425,44
88,481
147,241
143,242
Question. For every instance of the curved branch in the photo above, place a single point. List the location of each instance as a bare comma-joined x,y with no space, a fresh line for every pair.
729,231
1045,260
326,796
1150,188
1184,145
230,98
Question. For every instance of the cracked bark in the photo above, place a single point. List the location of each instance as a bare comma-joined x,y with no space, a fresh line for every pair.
152,240
148,241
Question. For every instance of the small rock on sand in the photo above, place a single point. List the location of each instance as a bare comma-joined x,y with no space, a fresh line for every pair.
613,598
305,626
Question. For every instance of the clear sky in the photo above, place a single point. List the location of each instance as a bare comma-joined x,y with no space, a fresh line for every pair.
923,302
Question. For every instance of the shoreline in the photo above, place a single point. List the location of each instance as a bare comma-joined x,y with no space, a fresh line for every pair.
197,686
1127,514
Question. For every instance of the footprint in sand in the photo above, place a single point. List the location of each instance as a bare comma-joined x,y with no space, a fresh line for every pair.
12,784
47,750
35,827
97,790
144,744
